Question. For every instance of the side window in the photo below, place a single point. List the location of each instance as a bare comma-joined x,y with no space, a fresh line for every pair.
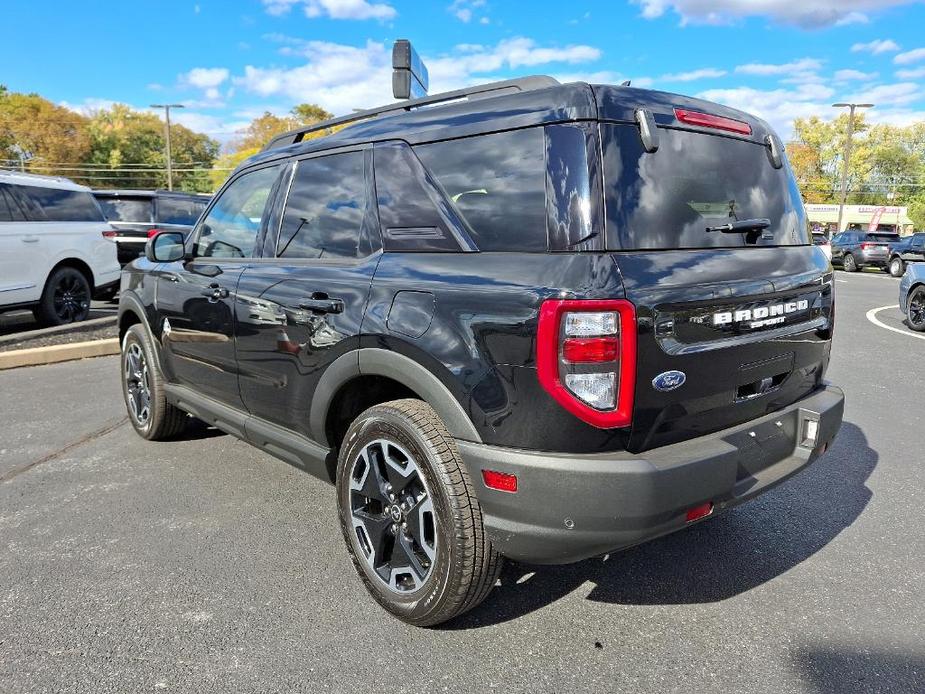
231,228
11,209
325,208
498,184
918,241
60,205
177,210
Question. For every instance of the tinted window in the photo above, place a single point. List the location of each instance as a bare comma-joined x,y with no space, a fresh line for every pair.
498,184
230,230
889,238
127,209
325,208
918,241
179,210
668,198
59,205
820,239
11,209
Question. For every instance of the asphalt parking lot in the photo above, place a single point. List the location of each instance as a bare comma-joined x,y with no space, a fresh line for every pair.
204,565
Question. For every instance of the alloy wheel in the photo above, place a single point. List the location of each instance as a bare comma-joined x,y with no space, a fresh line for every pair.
71,298
137,384
917,308
393,516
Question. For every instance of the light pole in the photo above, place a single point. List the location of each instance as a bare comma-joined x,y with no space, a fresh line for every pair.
167,108
844,167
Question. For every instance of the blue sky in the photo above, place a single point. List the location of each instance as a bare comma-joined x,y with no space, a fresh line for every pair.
230,60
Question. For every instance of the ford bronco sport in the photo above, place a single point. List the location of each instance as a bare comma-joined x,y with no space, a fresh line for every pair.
531,320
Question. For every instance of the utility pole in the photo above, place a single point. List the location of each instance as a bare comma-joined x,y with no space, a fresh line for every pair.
844,169
167,108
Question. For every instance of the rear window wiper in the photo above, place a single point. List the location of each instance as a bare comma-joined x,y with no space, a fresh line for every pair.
741,225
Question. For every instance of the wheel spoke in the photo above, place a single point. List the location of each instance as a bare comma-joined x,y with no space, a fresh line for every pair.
404,556
420,524
371,485
400,472
377,527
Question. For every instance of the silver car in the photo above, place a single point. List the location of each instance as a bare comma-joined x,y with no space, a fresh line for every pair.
912,296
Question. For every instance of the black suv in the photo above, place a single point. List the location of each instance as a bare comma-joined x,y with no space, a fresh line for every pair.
542,321
139,214
909,249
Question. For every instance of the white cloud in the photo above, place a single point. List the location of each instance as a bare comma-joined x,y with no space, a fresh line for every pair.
764,69
465,10
340,77
911,74
898,94
808,14
335,9
204,77
877,46
912,56
693,75
854,76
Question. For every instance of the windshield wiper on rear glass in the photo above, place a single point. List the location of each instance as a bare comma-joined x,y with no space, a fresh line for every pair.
741,225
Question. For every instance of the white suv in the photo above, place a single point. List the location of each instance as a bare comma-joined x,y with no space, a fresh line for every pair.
56,249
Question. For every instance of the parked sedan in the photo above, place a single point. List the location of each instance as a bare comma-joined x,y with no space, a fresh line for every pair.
912,296
909,249
855,250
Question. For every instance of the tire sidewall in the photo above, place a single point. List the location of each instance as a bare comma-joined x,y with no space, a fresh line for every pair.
918,327
899,266
850,263
49,315
383,423
135,335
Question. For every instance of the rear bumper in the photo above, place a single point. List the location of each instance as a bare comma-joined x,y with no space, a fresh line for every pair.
571,507
869,259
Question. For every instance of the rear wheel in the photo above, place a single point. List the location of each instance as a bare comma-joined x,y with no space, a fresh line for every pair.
915,309
850,263
410,517
897,267
66,298
143,389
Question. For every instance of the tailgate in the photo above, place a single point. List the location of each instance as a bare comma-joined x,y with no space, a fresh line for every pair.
750,329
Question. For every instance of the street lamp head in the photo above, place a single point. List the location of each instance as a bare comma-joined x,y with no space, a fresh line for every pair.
167,106
841,104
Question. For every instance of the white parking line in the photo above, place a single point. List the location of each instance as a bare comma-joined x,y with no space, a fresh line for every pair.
872,317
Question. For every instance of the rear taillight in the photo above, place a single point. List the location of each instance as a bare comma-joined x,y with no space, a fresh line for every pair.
867,245
586,358
110,234
706,120
152,232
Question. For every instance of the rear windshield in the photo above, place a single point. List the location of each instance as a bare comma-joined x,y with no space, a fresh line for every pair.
667,199
179,210
127,209
883,238
59,205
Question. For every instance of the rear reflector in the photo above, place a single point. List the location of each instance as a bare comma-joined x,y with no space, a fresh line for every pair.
699,512
501,481
591,349
109,234
706,120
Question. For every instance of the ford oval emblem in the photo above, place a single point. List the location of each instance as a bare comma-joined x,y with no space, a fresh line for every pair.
670,380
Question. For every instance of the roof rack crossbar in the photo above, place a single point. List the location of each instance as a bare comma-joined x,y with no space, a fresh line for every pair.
522,84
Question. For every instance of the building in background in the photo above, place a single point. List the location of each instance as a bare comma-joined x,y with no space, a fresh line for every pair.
859,217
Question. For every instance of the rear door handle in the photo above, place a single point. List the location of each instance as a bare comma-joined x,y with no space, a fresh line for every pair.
322,305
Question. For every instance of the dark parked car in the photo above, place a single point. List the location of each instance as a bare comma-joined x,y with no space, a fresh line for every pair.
138,214
909,249
543,321
855,250
912,296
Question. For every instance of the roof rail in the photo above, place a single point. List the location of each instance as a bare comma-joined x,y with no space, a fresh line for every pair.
522,84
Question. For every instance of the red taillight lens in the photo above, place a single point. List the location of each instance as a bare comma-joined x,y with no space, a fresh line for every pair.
501,481
109,234
152,232
865,246
699,512
706,120
586,358
587,350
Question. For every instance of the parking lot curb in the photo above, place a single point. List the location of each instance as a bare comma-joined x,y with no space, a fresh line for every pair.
35,356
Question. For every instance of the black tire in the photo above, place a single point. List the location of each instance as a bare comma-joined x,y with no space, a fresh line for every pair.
462,567
849,263
143,389
65,299
897,267
915,309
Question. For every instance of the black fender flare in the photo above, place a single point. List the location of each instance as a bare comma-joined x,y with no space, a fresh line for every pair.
383,362
129,302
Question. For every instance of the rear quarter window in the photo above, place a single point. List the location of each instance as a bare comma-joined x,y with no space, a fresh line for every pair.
123,209
667,199
60,205
497,183
182,211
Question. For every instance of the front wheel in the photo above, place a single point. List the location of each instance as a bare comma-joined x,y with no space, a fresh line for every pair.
143,389
410,517
915,310
850,263
897,267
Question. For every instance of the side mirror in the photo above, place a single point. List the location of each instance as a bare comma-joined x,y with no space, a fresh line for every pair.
165,247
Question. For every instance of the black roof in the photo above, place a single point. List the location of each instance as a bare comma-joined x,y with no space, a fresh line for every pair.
555,103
